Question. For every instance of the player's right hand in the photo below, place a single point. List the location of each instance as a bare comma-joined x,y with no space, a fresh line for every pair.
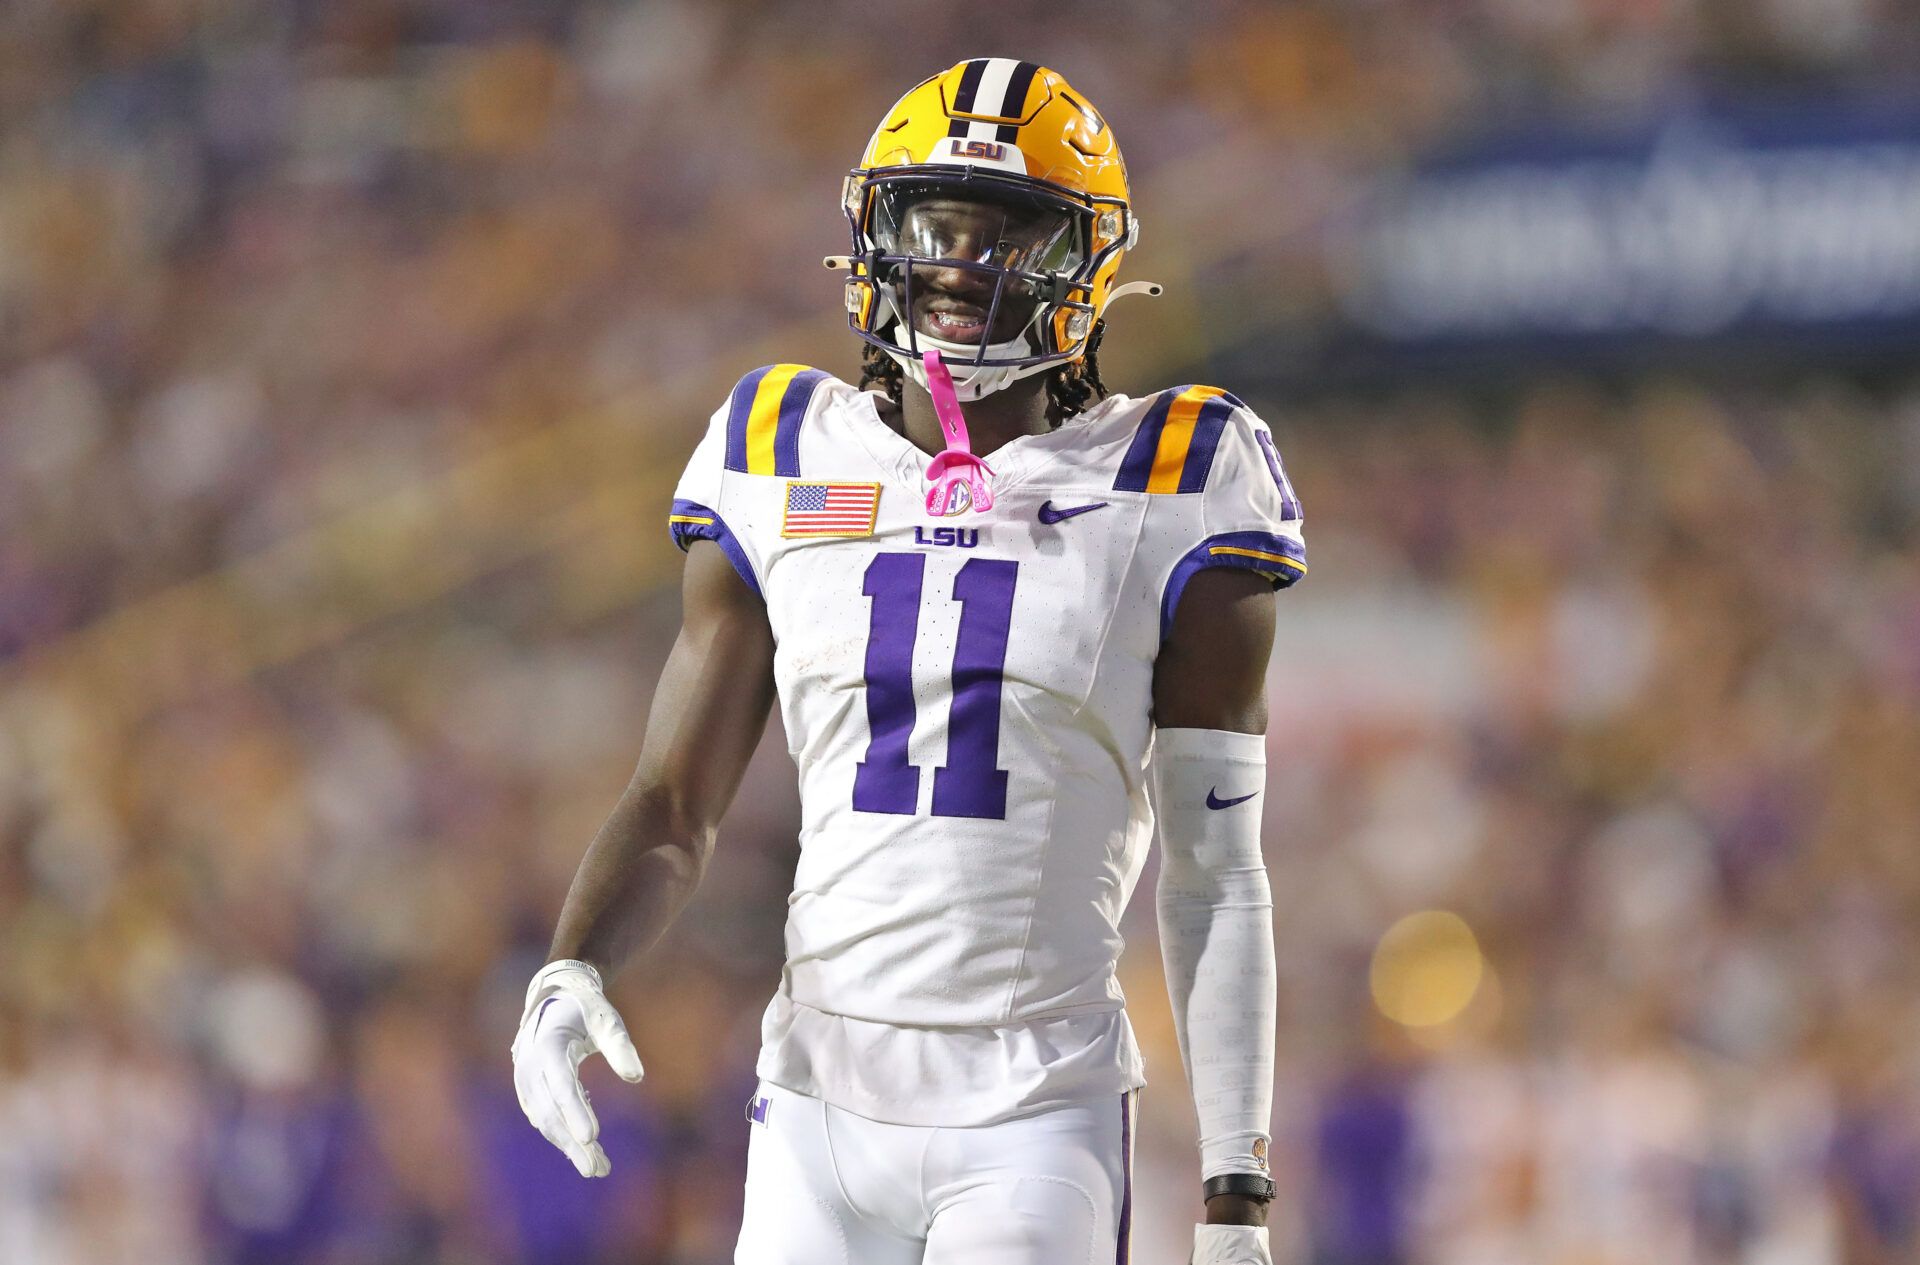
568,1017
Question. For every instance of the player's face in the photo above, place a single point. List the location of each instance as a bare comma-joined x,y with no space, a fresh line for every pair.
953,303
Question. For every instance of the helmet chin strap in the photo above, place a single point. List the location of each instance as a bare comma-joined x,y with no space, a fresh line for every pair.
973,382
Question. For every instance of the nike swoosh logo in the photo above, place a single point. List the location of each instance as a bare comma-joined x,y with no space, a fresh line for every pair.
1214,800
1050,515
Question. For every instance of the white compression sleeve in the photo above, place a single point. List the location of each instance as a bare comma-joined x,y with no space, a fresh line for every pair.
1216,936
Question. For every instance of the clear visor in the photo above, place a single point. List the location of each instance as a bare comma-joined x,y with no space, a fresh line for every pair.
999,229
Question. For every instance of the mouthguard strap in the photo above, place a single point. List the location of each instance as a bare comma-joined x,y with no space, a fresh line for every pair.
955,471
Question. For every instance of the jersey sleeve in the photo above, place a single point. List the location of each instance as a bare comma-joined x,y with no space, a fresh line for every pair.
700,502
1250,515
731,489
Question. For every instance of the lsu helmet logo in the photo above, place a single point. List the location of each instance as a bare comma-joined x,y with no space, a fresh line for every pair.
989,150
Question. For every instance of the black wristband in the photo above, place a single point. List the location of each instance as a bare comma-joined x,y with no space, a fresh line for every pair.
1252,1185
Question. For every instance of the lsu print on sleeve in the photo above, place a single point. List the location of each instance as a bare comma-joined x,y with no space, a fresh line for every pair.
1251,515
755,433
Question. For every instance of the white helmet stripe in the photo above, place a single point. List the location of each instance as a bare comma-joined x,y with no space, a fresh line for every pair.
965,95
990,97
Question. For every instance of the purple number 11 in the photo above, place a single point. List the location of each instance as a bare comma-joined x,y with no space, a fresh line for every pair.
969,784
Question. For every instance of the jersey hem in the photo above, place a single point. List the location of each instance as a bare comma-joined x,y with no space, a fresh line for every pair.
690,521
1279,558
947,1077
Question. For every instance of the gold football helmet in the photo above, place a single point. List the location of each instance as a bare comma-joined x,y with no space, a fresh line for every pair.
990,213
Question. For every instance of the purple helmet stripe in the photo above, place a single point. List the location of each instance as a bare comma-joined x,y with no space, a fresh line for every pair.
1016,97
963,97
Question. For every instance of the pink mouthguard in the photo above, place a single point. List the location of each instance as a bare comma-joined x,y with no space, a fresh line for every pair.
955,471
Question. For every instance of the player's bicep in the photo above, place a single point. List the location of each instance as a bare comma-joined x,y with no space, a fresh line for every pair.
714,694
1217,619
1212,669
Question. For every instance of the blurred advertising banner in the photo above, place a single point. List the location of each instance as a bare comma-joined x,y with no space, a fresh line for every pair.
1778,225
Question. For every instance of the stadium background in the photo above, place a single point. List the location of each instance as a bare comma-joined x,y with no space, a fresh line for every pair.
349,350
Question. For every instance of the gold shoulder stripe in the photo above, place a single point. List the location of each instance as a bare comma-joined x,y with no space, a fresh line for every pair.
763,422
1176,438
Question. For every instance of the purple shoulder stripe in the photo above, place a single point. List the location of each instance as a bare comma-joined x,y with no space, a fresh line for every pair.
1207,429
786,418
1137,466
739,410
793,410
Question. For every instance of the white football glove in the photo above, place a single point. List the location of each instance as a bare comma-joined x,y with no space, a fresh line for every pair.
1230,1245
567,1018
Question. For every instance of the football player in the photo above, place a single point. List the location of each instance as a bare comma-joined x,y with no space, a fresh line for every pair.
1016,625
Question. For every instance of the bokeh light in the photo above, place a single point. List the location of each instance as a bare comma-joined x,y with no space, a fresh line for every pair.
1426,969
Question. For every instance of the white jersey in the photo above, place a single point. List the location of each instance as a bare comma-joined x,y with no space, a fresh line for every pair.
968,702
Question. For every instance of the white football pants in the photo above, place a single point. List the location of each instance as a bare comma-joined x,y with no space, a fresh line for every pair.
827,1187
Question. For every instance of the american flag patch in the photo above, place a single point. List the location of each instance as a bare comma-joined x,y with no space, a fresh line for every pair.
830,509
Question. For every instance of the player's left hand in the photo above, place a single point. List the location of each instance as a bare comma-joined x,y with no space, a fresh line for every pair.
1230,1245
567,1018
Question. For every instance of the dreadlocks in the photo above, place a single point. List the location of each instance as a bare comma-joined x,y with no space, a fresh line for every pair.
878,369
1076,387
1071,389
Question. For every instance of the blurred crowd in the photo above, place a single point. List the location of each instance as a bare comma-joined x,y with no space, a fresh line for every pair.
348,350
1631,682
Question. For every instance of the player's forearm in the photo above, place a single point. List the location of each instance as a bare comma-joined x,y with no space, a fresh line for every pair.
707,716
638,874
1224,999
1216,932
1215,911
